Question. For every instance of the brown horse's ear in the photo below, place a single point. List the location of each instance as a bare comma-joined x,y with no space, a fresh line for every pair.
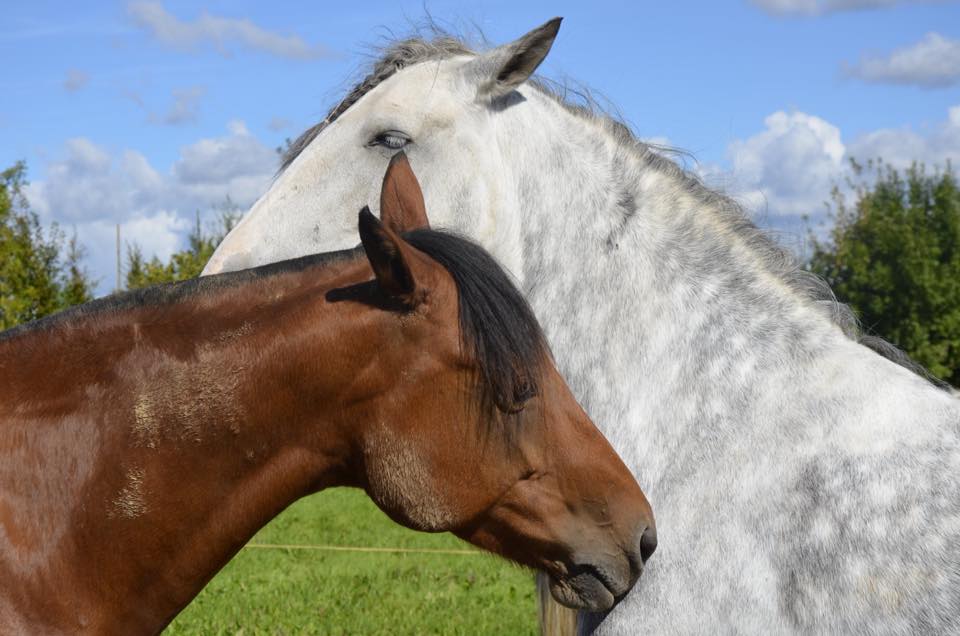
401,200
389,259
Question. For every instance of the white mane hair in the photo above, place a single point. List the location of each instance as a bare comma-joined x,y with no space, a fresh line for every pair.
779,261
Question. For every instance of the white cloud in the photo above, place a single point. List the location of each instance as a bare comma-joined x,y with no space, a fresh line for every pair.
219,32
820,7
185,107
92,190
902,146
83,184
75,80
931,62
276,124
788,169
237,163
160,234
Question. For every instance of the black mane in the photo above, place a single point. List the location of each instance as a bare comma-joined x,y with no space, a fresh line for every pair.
497,325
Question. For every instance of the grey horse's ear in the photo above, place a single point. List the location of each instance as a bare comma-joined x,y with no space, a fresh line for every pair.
506,67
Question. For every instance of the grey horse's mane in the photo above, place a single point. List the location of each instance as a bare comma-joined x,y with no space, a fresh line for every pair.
779,261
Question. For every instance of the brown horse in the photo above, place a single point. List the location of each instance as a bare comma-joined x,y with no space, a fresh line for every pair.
145,438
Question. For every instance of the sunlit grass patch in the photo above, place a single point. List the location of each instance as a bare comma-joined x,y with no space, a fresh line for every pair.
293,591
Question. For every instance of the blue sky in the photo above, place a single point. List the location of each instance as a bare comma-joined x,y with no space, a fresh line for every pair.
141,113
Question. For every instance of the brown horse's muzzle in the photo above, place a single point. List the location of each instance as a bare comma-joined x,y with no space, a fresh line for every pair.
597,580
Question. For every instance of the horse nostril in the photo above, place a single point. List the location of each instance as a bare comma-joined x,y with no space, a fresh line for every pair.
648,543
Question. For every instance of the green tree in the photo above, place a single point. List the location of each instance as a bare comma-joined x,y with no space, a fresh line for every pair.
76,288
35,280
894,256
186,263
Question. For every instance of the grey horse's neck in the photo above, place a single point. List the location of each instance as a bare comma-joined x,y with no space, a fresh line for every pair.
732,395
638,272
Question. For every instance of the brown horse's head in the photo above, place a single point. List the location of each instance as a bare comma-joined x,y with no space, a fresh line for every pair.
466,425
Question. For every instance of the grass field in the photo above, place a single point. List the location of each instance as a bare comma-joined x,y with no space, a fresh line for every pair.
287,591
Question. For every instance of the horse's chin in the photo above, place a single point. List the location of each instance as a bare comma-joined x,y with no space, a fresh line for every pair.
583,591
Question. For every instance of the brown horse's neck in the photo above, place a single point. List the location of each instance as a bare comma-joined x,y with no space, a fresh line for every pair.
168,435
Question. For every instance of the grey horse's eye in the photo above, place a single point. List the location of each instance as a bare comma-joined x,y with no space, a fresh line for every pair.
392,139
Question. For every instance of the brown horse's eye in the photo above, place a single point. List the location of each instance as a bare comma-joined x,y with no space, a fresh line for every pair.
523,392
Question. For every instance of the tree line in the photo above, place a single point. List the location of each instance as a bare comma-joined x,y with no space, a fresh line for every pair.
41,268
892,252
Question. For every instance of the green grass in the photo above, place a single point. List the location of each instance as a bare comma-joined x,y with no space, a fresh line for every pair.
280,591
